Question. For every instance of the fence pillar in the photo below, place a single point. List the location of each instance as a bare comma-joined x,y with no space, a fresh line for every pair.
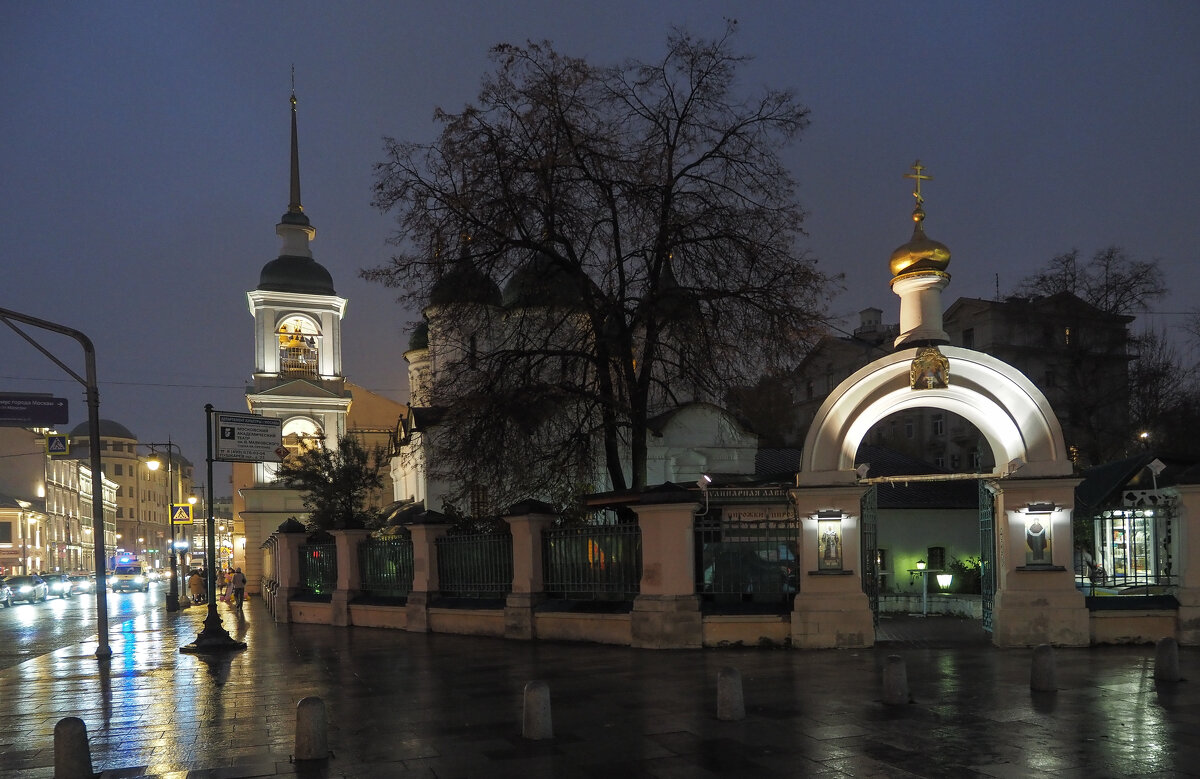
526,521
349,581
666,613
287,567
425,534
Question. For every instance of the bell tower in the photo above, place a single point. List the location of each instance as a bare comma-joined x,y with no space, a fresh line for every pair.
298,335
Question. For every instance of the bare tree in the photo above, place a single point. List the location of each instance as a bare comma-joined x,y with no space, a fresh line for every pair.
1163,401
1112,281
653,194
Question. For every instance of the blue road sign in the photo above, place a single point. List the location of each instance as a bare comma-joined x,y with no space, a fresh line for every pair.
57,444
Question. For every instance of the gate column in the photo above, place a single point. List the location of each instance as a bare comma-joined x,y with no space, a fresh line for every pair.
831,610
1036,598
1188,565
666,612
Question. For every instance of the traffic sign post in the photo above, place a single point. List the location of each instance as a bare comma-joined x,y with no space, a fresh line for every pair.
247,438
58,445
181,514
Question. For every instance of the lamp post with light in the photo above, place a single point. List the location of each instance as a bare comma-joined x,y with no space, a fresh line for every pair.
174,602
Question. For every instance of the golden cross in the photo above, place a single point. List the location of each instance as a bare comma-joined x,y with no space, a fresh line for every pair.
918,176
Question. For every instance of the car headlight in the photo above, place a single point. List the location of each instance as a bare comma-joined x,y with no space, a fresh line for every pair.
139,579
24,588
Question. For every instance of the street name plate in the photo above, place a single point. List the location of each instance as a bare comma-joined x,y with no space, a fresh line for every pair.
32,410
246,438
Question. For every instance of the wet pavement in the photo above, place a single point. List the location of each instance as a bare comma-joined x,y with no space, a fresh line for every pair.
402,704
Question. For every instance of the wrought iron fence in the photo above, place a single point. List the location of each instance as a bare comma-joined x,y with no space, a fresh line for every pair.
593,562
475,565
387,566
747,561
318,569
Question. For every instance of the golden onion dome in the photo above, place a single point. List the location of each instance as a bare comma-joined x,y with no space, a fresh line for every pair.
921,253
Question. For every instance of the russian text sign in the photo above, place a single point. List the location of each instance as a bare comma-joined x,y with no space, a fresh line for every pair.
32,410
246,438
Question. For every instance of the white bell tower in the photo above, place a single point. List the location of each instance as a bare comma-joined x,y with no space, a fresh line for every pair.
298,335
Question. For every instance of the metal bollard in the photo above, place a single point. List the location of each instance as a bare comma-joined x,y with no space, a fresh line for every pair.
731,705
72,756
1166,660
1043,676
537,723
312,731
895,681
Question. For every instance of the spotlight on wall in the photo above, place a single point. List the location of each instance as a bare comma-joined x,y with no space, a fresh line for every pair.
1039,508
863,470
704,481
1014,465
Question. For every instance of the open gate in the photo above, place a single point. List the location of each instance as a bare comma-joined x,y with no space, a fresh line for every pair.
868,523
987,551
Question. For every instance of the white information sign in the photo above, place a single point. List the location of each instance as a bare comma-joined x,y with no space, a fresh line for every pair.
246,438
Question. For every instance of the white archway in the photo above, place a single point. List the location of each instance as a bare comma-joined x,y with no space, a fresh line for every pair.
1011,413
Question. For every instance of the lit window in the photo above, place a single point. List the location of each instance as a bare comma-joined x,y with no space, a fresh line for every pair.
939,424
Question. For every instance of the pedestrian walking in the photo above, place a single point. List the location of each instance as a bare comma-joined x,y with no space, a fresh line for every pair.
196,587
238,583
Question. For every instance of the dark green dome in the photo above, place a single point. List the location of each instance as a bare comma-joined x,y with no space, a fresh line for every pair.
302,275
545,282
464,283
419,338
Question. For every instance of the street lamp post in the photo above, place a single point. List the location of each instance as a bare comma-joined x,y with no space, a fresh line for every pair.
174,602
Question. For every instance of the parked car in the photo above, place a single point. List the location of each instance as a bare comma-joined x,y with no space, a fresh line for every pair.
29,588
59,584
6,594
83,582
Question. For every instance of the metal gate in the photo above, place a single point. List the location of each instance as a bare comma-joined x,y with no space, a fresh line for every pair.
870,549
987,551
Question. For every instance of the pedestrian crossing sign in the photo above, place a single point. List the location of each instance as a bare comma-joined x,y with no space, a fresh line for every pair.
181,513
57,444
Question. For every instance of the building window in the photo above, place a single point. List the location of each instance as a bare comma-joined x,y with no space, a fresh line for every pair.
940,461
120,513
938,424
6,536
976,460
955,462
119,470
1067,336
968,338
936,558
909,429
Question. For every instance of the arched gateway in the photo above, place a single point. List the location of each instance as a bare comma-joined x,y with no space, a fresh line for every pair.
1026,544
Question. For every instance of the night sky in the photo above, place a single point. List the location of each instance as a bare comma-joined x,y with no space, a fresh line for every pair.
144,157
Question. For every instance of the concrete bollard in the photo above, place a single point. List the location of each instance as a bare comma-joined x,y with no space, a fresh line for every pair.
312,729
72,757
537,724
731,705
895,681
1166,660
1043,676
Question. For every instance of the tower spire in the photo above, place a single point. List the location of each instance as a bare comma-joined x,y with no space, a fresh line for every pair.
294,205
